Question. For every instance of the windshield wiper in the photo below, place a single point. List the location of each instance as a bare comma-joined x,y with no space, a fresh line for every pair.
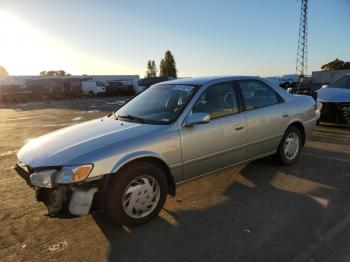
133,118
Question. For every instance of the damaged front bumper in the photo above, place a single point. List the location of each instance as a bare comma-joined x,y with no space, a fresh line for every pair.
336,113
61,189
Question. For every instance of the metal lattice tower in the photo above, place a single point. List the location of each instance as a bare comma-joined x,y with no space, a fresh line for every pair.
301,65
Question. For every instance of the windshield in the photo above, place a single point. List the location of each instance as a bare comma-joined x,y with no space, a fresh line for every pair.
159,104
343,82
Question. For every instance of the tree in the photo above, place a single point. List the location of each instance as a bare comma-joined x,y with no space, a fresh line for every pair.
154,68
3,71
54,73
61,73
168,66
336,64
162,68
151,69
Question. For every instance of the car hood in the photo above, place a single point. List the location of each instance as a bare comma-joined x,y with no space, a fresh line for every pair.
334,95
61,146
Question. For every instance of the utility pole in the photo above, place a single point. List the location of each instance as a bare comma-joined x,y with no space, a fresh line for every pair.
301,64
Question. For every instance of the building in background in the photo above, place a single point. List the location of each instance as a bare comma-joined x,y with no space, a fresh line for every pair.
42,87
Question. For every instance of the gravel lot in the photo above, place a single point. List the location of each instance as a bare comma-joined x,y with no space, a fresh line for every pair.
254,212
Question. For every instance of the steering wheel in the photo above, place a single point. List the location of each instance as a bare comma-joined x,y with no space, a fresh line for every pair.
176,109
227,97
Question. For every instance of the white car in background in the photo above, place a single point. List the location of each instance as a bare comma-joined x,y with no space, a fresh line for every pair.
92,87
285,81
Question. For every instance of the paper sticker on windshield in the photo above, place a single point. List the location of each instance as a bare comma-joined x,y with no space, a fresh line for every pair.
184,88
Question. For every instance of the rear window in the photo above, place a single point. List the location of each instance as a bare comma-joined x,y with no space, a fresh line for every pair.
257,94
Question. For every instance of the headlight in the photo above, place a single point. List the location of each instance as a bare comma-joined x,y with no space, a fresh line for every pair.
73,174
43,178
318,109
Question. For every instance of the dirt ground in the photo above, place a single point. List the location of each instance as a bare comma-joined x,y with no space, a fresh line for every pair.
254,212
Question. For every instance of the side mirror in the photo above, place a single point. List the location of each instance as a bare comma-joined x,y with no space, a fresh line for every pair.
196,119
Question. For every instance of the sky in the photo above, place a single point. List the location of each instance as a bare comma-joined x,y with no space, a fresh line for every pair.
217,37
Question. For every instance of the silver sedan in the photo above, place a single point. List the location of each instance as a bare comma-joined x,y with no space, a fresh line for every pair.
127,162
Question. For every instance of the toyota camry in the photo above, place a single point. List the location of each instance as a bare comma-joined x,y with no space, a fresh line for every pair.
127,162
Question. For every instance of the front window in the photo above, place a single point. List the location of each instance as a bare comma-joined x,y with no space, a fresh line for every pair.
217,101
159,104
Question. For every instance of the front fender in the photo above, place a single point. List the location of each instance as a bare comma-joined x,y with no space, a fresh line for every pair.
163,145
133,156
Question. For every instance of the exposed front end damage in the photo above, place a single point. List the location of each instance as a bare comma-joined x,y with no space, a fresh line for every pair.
336,113
76,198
55,199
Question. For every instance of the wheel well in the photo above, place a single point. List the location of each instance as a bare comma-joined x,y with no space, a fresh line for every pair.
163,166
301,128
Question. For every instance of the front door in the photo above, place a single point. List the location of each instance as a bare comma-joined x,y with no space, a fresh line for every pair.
219,143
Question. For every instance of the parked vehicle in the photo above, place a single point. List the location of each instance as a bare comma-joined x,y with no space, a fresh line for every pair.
287,81
92,87
148,81
42,89
335,99
172,132
120,88
13,93
72,87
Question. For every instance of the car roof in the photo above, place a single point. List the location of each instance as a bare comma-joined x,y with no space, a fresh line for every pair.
205,80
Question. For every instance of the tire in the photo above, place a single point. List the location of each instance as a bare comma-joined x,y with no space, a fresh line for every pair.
287,157
141,195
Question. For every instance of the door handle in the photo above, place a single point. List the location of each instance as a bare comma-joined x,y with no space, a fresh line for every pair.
239,128
285,114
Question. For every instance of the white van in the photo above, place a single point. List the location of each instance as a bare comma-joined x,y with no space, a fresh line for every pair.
92,87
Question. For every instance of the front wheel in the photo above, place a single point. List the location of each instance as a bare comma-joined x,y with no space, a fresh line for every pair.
136,194
289,149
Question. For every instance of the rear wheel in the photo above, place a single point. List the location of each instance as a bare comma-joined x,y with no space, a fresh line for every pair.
289,149
136,194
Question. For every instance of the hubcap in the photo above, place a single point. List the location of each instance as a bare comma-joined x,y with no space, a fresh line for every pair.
141,196
291,146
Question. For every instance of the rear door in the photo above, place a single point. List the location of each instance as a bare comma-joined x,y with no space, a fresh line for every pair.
222,141
266,115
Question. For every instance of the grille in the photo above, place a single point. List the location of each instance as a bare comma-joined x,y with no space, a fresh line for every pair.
337,113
